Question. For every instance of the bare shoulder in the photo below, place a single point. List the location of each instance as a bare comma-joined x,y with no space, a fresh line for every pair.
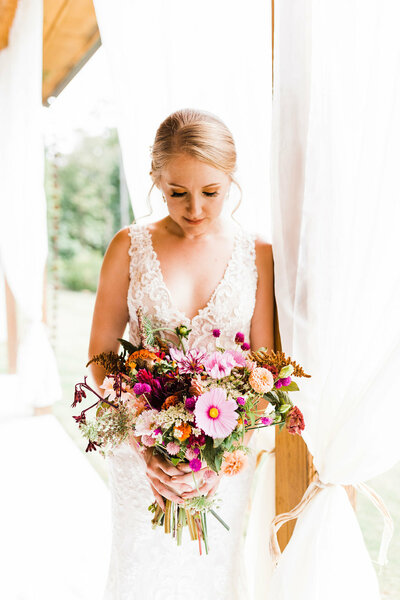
118,248
264,256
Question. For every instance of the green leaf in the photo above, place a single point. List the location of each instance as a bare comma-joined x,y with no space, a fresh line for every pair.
281,426
175,460
272,397
148,328
218,442
284,408
208,454
218,462
292,387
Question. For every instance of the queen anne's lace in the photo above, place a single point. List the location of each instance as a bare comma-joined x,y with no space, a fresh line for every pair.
145,563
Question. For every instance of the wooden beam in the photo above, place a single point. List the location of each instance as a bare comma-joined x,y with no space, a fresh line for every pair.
70,38
7,14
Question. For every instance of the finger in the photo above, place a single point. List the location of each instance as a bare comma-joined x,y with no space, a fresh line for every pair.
172,482
201,491
188,477
184,467
167,492
168,468
158,497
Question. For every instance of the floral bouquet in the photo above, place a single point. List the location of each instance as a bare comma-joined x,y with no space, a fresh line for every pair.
193,407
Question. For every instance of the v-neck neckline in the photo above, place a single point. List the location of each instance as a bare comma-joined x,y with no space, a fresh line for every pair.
174,307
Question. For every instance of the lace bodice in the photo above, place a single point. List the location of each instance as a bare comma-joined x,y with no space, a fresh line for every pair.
229,308
146,563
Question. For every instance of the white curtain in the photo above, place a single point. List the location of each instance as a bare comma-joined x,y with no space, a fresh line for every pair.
215,56
335,189
23,230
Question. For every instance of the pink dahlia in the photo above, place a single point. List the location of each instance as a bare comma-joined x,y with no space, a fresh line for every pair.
220,364
215,413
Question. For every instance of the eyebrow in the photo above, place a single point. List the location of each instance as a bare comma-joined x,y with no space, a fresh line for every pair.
182,186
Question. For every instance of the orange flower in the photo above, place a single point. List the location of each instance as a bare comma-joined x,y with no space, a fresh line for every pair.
142,356
233,462
182,432
170,401
261,380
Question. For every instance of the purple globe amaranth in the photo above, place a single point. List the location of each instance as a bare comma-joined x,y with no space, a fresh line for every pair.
190,403
195,464
216,333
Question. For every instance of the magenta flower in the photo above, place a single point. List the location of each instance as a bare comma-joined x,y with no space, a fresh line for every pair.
191,362
215,413
141,388
266,420
240,400
216,333
286,380
195,464
190,403
245,346
239,337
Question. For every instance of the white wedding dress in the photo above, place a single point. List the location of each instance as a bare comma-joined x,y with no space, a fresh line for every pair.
147,564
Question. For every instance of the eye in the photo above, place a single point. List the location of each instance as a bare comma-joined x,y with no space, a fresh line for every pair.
177,194
210,193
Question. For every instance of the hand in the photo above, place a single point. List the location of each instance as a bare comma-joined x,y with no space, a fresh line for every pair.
207,482
160,473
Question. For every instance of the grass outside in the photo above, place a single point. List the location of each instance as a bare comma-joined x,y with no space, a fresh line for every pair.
75,311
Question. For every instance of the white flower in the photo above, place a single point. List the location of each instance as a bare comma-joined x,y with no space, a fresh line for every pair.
174,415
146,422
108,387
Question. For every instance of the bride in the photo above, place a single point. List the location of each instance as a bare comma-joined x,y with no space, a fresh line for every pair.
197,268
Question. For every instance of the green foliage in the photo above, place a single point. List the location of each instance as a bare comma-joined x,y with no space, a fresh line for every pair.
90,215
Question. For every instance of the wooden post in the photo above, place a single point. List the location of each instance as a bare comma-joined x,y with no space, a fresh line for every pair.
294,467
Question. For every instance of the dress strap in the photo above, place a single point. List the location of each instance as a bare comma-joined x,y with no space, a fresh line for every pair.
138,248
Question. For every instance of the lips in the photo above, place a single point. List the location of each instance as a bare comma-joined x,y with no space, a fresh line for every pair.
193,221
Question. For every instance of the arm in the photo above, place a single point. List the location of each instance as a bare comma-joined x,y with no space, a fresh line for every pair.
262,323
110,314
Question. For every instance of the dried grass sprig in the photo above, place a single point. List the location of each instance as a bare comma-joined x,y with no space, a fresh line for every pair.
110,361
277,359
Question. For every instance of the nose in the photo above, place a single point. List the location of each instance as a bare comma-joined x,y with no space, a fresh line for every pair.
194,207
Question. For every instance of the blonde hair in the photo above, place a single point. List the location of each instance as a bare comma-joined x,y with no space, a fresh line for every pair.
199,134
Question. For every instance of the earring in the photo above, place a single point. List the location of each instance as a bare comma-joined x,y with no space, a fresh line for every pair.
164,198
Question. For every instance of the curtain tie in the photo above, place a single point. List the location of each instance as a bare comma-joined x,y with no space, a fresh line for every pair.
313,489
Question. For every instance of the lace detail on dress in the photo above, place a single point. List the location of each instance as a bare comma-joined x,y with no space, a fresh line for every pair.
146,563
229,308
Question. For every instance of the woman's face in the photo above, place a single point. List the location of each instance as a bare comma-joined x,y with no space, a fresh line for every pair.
195,193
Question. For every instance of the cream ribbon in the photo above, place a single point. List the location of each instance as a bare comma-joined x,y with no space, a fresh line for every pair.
313,489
